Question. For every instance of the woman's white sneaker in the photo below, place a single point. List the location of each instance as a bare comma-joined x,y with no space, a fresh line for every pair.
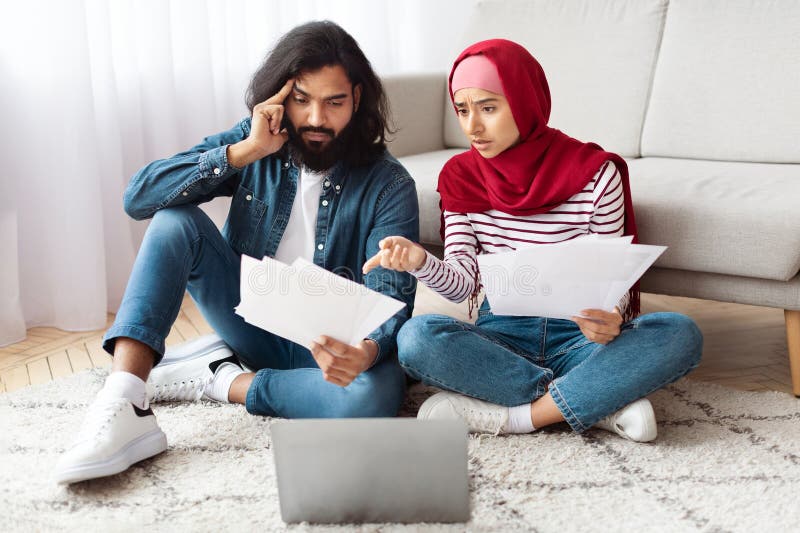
480,416
636,421
115,434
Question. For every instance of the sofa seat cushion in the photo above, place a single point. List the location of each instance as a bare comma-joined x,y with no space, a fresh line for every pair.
425,168
739,219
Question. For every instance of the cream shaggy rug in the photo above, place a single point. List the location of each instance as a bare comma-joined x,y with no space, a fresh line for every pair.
724,461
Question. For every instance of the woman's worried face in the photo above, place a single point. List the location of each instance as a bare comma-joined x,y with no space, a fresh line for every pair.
485,118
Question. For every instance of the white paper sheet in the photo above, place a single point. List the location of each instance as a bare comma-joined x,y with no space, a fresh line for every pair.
302,301
560,280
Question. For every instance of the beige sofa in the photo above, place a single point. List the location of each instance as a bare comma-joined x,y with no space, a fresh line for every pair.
703,100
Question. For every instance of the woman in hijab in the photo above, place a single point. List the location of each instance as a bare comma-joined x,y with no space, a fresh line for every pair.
523,183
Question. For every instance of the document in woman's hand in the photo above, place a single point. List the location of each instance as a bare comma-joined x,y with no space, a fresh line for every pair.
560,280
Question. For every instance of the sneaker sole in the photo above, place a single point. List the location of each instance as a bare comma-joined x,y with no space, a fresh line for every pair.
142,448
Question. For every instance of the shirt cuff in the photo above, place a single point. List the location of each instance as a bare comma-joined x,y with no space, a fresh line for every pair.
623,302
427,267
384,346
214,164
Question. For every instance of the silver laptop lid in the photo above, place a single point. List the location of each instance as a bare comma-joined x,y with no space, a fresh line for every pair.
371,470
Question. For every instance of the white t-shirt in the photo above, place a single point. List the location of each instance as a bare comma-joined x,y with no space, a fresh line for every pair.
298,239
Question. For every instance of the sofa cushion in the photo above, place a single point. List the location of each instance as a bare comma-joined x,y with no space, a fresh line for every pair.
417,97
425,168
598,56
727,82
739,219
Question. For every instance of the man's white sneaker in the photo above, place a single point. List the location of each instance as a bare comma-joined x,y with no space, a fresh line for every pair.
480,416
636,421
115,434
185,374
193,348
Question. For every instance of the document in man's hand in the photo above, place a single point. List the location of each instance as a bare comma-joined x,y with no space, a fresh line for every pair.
302,301
560,280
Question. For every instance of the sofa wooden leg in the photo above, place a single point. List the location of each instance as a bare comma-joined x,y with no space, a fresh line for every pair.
793,341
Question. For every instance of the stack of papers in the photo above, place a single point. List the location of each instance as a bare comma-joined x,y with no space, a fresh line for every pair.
302,301
560,280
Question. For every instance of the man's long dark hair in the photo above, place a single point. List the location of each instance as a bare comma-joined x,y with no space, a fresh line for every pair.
312,46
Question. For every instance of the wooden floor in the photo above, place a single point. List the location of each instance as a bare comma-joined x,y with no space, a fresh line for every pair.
745,346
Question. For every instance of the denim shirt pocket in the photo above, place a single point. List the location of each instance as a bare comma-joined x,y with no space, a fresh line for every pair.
244,220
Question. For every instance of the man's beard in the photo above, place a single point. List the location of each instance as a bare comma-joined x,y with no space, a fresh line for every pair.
312,154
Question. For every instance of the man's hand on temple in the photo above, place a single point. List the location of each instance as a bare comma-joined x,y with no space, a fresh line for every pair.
266,136
341,363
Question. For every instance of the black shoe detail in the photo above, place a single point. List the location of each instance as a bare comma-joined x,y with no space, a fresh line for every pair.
142,412
214,365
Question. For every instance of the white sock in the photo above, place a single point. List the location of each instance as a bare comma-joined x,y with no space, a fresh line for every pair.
126,385
220,386
519,419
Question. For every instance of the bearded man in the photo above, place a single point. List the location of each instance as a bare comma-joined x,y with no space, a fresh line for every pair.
310,177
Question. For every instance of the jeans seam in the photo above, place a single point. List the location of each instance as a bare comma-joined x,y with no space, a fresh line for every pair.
541,388
570,417
573,347
543,347
178,296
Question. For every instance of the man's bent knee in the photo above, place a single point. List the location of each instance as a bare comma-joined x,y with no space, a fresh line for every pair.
375,394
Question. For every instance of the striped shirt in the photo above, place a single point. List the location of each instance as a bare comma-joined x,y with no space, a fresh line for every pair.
599,208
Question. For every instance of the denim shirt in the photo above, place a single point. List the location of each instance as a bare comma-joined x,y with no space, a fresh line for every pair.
358,207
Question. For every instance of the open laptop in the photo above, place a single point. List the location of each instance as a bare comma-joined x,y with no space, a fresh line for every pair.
371,470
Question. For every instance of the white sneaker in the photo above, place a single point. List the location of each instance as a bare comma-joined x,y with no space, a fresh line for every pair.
636,421
193,348
115,434
480,416
185,372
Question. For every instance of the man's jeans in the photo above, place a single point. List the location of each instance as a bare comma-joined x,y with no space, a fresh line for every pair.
510,361
182,249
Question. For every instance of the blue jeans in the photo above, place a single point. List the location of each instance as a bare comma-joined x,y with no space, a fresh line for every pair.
182,249
510,360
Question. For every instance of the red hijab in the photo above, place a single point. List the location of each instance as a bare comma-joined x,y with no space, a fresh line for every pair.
546,168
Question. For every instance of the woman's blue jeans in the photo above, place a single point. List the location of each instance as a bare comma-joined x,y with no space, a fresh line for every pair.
183,249
509,360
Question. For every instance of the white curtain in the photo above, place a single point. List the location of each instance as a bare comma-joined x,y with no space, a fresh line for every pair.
94,89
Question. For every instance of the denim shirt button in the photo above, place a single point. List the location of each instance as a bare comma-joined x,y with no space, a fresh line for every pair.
324,203
327,183
248,197
217,171
185,193
320,246
286,165
338,187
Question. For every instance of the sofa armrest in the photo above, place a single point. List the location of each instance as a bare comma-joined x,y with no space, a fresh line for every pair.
416,102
